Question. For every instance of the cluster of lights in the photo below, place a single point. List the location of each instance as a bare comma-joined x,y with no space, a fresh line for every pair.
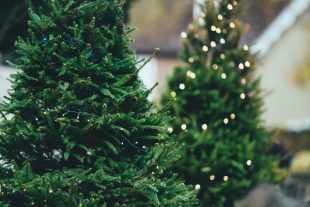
191,74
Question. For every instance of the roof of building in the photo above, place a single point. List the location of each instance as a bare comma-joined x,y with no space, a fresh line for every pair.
279,26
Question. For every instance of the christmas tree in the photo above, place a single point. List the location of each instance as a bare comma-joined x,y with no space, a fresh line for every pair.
13,22
218,108
77,128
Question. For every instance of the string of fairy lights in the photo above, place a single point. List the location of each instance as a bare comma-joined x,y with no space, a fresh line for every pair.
207,48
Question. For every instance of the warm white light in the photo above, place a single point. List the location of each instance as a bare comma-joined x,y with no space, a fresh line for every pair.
204,127
213,44
226,121
182,86
247,64
189,73
190,26
218,30
183,126
232,25
201,21
223,76
212,177
243,81
241,66
222,56
203,14
215,66
225,178
183,35
173,94
235,3
193,75
219,17
249,162
205,48
222,41
213,28
242,96
232,116
197,187
230,7
246,48
170,129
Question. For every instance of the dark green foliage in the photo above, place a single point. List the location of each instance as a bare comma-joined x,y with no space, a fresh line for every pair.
78,129
226,145
13,22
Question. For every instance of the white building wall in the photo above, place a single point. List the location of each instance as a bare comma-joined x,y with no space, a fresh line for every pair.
288,103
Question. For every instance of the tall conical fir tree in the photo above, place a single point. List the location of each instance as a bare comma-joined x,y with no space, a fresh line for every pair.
77,128
218,108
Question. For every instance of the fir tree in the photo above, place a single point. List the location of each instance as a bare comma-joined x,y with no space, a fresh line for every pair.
78,129
218,108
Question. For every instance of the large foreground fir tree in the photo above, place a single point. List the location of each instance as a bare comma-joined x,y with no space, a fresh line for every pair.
218,109
77,128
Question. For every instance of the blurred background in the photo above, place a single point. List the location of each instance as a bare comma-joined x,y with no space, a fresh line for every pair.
279,35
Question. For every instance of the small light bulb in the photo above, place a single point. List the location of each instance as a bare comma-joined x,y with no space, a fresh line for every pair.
201,21
183,126
225,178
205,48
247,64
242,96
243,81
213,28
222,56
182,86
218,30
173,94
213,44
212,177
235,3
197,187
232,25
241,66
193,75
170,130
189,73
183,35
226,121
191,60
203,14
249,162
230,7
224,76
220,17
215,66
204,127
222,41
246,47
232,116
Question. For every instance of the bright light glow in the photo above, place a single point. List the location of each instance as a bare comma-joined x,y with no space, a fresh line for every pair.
184,35
204,127
213,44
183,126
182,86
223,76
205,48
173,94
242,96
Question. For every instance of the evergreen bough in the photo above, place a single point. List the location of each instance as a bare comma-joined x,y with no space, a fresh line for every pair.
77,127
218,108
